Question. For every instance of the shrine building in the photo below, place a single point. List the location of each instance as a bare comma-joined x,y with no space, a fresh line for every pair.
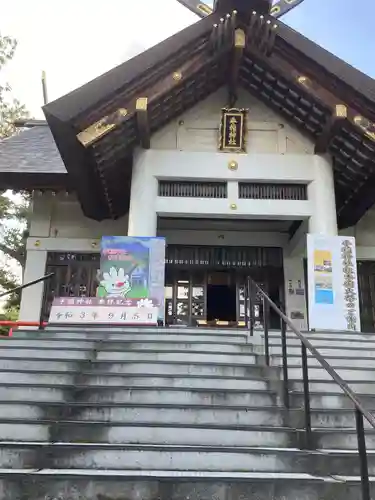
233,139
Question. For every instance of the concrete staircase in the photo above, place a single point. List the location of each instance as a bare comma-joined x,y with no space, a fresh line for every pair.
176,414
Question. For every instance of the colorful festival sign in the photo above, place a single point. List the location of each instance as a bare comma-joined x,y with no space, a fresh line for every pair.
133,268
332,283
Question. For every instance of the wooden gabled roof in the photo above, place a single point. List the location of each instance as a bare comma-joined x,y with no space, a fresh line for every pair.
97,126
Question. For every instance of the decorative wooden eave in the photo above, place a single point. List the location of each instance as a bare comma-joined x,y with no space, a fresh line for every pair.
307,57
103,121
129,75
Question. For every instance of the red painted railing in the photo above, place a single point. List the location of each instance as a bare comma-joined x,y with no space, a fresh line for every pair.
15,324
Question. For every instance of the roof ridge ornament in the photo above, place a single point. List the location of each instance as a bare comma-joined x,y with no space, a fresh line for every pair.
203,10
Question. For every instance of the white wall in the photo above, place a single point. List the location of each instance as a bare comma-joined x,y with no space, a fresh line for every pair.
224,238
61,216
187,149
294,278
198,128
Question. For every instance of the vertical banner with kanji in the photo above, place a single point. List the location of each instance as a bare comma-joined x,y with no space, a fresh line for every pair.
133,268
332,283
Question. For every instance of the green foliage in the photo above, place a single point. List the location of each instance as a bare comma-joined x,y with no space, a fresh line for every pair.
11,314
13,213
10,109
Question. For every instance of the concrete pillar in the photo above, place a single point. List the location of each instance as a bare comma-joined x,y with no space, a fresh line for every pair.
32,297
322,193
143,195
295,291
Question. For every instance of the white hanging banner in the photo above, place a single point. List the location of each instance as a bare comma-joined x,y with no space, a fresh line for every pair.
99,311
332,283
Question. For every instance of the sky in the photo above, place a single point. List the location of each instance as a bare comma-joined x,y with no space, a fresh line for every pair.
77,40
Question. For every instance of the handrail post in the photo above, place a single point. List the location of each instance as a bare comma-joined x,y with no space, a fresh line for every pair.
246,298
361,411
365,484
251,306
266,336
306,395
284,350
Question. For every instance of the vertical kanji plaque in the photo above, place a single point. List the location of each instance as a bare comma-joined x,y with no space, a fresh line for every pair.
233,130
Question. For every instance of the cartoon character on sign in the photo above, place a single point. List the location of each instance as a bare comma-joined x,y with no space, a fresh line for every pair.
114,284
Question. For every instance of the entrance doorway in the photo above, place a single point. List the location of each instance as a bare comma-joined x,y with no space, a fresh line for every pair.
207,285
221,303
221,297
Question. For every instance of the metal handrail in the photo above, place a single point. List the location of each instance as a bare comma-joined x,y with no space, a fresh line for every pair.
26,285
361,411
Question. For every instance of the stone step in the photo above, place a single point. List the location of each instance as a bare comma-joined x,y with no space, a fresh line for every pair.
328,386
48,365
145,394
72,354
127,381
138,366
343,440
327,334
141,336
336,361
179,415
112,355
174,485
140,433
97,456
331,400
350,375
327,352
190,413
92,330
123,346
326,342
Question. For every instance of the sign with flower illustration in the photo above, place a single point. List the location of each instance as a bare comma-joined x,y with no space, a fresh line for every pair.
131,286
132,268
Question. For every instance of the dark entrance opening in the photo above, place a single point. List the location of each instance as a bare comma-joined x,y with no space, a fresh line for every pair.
221,303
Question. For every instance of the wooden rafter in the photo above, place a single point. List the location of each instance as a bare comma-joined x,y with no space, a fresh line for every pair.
332,126
325,97
143,123
162,88
261,33
222,33
239,44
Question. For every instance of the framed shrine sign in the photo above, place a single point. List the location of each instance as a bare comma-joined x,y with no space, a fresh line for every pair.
233,130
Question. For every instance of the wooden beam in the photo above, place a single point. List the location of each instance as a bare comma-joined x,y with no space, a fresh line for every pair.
261,33
320,94
366,126
143,122
356,204
332,126
101,128
162,88
239,44
222,34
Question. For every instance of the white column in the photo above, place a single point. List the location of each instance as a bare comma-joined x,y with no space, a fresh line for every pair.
295,291
322,193
32,297
143,194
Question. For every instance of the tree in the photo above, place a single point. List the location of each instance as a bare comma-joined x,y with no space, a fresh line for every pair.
13,212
